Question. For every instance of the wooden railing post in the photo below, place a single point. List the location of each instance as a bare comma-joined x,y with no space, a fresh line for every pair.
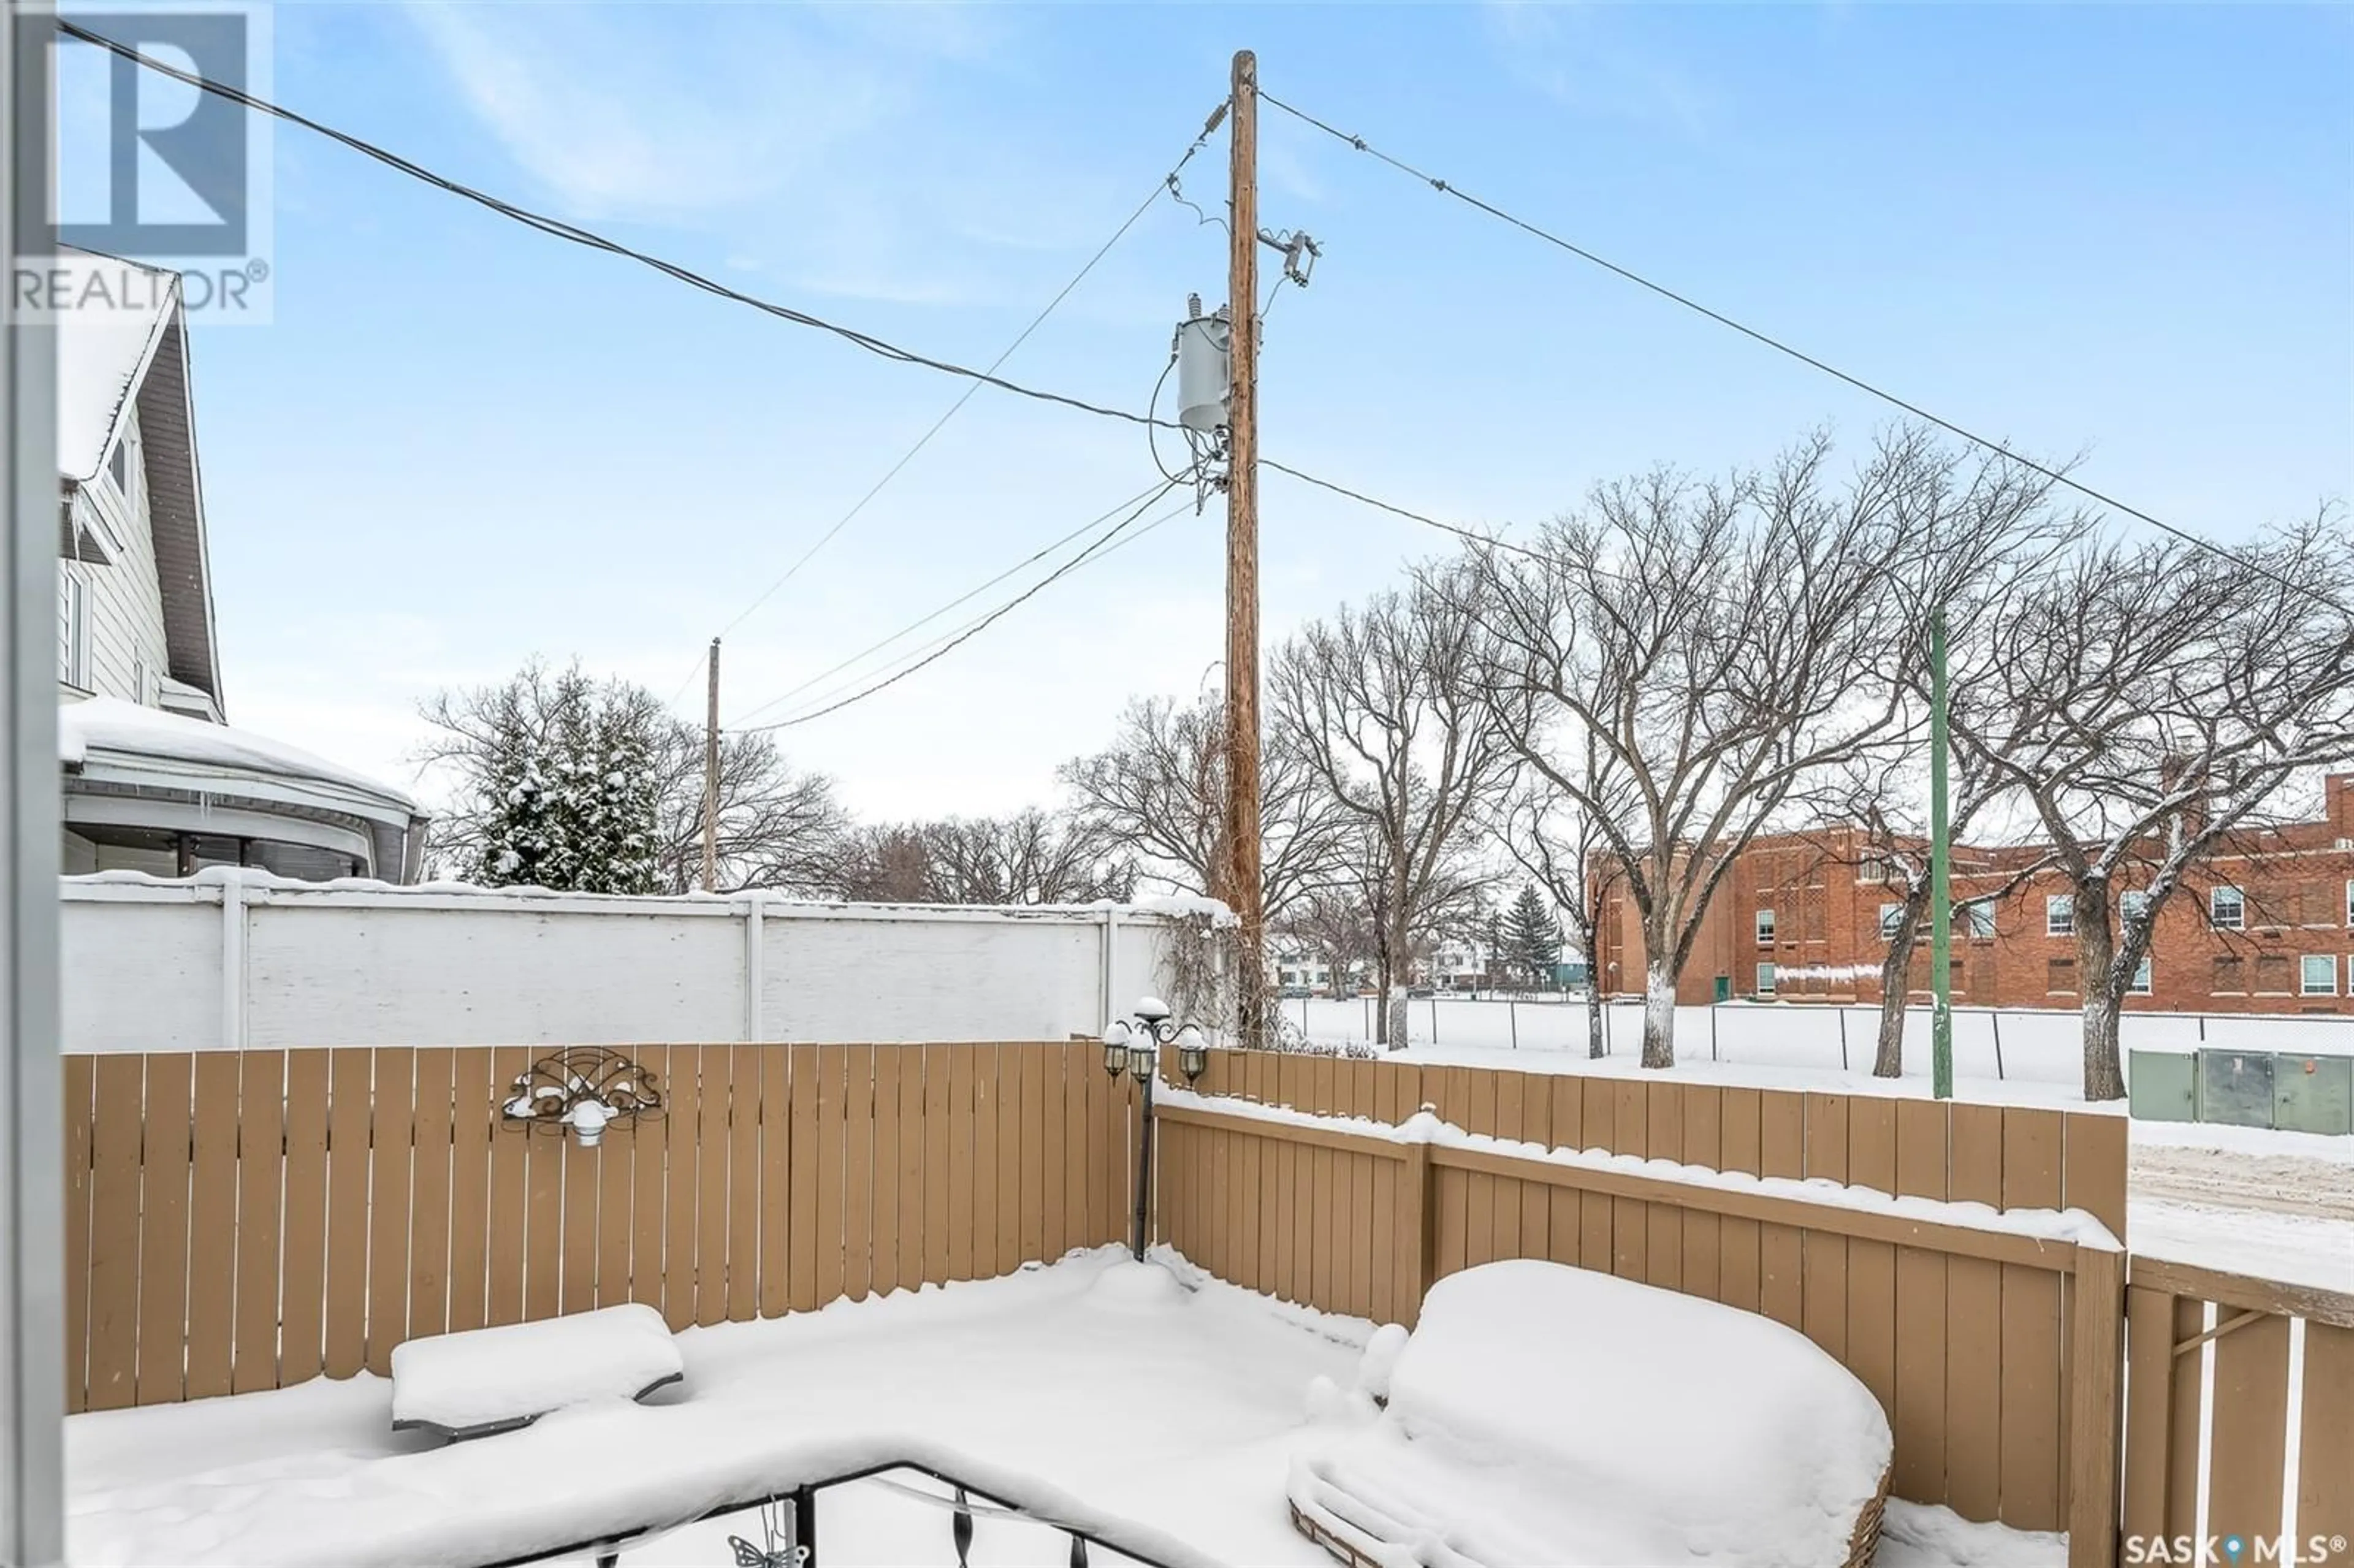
2096,1376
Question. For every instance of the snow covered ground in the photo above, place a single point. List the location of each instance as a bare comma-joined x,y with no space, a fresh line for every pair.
2279,1205
1166,1417
2032,1046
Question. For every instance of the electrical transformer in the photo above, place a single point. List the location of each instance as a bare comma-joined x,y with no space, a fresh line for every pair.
1203,366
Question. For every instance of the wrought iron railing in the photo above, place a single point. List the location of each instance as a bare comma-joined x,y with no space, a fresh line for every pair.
787,1525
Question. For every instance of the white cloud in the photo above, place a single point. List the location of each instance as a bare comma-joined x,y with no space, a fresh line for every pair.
1579,55
702,110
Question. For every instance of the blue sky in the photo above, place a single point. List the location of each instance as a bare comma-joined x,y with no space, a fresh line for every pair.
2123,231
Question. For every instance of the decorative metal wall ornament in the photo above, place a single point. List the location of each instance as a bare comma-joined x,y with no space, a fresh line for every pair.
582,1090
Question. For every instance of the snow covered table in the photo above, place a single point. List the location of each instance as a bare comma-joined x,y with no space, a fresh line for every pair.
481,1381
1546,1415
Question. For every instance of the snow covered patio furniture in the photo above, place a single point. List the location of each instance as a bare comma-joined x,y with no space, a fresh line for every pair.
1541,1414
484,1381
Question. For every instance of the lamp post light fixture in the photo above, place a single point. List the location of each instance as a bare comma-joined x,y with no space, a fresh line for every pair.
1133,1044
581,1091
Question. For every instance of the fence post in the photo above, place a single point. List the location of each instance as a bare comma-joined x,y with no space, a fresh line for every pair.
755,980
1415,1259
1111,980
232,960
2096,1377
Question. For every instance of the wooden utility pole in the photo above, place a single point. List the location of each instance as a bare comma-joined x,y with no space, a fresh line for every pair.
1242,886
711,779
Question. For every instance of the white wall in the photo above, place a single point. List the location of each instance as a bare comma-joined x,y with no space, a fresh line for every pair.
225,959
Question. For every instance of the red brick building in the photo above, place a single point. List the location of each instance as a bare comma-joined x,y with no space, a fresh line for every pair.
2265,927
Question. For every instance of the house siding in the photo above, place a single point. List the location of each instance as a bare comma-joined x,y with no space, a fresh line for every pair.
126,606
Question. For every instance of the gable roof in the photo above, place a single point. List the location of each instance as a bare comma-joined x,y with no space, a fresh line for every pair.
134,352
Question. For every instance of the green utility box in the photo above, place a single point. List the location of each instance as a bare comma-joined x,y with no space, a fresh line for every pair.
2313,1094
2163,1085
2235,1087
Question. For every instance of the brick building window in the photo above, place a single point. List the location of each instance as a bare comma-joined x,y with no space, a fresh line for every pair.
1891,916
1766,929
1765,980
2059,917
2134,904
2227,908
2317,975
2271,974
2141,980
2231,976
2349,901
1981,916
2060,976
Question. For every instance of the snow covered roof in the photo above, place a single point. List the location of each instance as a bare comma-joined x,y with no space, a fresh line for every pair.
109,725
102,350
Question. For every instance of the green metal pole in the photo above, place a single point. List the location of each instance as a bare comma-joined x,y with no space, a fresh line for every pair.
1941,904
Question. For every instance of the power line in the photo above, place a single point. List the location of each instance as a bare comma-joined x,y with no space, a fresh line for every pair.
586,237
1447,187
1147,495
917,655
672,700
1409,515
1165,185
1094,551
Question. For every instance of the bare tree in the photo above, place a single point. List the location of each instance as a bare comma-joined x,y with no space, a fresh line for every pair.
1030,857
1562,843
777,828
1724,644
1335,924
1406,752
1881,824
1159,792
2150,701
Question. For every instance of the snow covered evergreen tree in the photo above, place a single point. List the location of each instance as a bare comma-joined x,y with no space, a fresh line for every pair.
567,787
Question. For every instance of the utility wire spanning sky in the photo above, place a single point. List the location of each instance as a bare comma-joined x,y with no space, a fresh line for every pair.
2124,232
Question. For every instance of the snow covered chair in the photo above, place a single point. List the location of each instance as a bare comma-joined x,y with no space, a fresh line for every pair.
1547,1415
481,1381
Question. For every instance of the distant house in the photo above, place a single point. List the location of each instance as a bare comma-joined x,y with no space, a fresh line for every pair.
154,779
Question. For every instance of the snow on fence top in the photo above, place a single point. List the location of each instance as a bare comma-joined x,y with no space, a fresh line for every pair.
2075,1227
232,958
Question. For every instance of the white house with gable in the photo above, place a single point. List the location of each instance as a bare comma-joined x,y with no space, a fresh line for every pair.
155,779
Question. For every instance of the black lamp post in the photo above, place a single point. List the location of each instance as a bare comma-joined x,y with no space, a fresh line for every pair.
1133,1046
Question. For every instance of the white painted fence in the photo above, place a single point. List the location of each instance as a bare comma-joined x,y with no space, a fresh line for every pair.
226,959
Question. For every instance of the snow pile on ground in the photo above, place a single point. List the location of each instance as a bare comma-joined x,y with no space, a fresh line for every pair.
1153,1405
1163,1425
485,1379
1542,1413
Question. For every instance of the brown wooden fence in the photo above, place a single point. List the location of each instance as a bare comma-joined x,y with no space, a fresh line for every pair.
240,1221
2186,1322
1984,1347
248,1220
